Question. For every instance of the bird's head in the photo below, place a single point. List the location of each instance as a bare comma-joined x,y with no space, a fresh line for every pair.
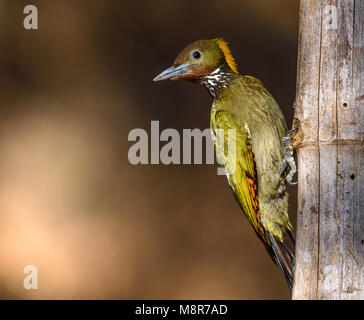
200,59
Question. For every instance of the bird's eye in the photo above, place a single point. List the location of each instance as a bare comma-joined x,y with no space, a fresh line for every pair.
197,55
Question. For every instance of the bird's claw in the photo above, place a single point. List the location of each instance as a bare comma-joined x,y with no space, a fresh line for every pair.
288,158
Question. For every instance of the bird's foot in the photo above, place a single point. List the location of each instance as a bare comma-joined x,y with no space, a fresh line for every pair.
288,158
294,104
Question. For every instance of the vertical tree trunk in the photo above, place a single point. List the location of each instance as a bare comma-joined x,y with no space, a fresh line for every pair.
329,143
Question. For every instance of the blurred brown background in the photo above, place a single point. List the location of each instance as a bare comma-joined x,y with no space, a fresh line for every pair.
70,202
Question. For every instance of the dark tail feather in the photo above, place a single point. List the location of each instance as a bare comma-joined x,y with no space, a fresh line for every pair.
289,232
283,253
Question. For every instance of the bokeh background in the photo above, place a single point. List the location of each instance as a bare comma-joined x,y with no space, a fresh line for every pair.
72,205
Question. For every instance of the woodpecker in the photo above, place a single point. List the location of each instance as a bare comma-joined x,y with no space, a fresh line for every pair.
262,162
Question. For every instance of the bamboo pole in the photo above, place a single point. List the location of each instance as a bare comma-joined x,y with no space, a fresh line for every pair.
329,144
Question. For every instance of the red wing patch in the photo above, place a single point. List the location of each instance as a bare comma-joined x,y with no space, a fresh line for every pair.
253,191
254,200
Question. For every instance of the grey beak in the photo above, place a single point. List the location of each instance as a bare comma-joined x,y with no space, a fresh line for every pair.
173,72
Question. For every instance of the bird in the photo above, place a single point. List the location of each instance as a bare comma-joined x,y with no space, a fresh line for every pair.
257,168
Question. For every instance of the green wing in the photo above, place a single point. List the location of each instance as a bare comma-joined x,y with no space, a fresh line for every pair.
238,159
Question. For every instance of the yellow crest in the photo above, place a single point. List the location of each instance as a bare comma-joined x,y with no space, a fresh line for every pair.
223,45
